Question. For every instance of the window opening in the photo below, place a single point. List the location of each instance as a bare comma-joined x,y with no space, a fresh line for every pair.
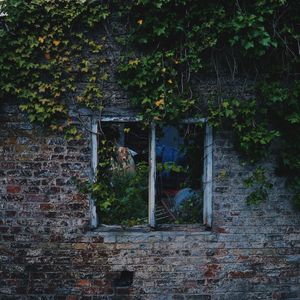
152,176
179,192
123,172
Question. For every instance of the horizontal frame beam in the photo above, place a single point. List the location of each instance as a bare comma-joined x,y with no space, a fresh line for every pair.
121,119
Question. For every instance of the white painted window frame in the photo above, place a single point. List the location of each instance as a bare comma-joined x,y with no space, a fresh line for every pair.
94,162
208,176
207,165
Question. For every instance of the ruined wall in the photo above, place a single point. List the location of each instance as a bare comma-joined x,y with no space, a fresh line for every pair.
47,250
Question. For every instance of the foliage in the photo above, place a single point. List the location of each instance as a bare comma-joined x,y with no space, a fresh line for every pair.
249,124
261,185
166,39
283,105
48,46
124,200
191,211
172,42
44,53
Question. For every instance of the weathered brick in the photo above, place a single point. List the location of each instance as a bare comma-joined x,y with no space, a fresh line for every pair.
14,189
10,213
83,282
48,251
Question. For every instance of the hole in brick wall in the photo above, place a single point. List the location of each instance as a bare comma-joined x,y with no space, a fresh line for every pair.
125,279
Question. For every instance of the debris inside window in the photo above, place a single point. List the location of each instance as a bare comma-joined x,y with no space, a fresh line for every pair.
179,154
123,174
123,169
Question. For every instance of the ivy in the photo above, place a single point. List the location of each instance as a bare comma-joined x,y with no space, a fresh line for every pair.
248,122
181,40
45,50
166,46
259,182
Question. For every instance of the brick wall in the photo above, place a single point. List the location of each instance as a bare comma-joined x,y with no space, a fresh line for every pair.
48,252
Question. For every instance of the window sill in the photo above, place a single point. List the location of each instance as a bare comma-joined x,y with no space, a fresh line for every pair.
139,236
146,228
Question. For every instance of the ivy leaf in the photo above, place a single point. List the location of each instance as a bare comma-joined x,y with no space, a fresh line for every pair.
56,42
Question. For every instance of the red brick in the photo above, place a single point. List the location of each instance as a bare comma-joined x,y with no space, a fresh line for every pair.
13,189
72,297
83,282
239,274
212,270
46,206
220,230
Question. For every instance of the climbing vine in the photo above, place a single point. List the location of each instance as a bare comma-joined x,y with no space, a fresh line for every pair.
47,48
174,43
53,57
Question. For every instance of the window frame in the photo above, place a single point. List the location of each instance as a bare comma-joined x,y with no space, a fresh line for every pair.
207,166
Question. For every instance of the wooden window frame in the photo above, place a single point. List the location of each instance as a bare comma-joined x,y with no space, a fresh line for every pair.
207,167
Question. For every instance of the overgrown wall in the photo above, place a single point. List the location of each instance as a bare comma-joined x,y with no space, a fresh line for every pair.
47,250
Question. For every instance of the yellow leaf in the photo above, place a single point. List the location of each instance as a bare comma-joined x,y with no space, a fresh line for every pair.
42,88
44,101
56,42
163,70
60,108
134,62
170,81
104,76
79,98
160,102
126,130
41,39
53,127
140,21
225,104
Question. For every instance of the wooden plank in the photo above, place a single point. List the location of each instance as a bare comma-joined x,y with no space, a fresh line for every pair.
152,176
94,132
207,176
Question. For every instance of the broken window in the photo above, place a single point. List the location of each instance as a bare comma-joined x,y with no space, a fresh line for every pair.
152,176
123,168
179,171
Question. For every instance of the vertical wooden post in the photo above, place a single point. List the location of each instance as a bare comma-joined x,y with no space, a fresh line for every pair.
93,213
207,176
152,175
